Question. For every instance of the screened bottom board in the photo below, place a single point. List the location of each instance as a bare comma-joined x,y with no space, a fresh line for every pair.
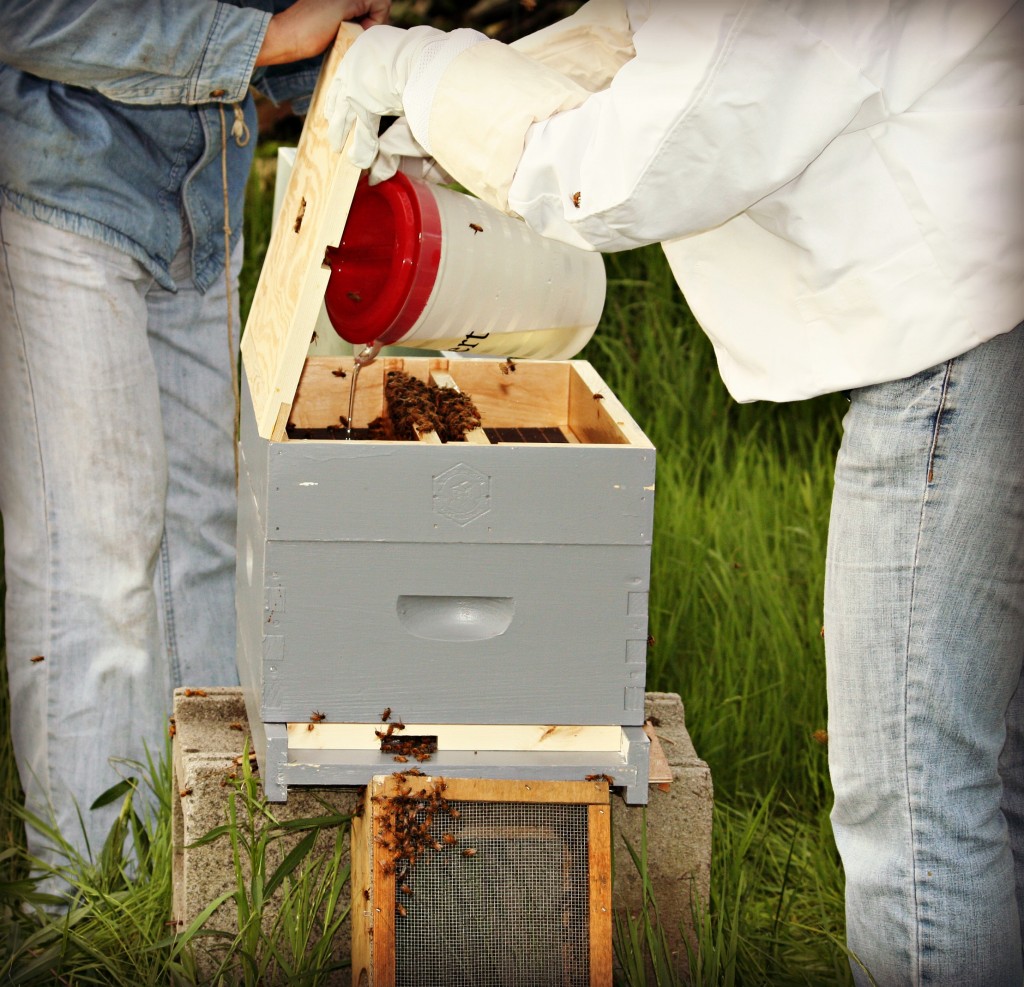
498,893
515,912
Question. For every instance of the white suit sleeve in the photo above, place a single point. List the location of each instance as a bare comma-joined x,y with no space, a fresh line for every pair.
589,46
723,103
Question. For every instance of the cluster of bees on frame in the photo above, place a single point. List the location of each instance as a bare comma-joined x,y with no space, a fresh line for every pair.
417,407
404,828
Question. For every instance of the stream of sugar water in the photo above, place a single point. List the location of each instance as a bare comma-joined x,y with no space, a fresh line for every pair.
352,401
362,359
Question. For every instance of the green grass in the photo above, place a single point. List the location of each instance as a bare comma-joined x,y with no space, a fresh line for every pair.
736,585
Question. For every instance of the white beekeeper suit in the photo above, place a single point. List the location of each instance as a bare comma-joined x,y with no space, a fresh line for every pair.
837,186
793,158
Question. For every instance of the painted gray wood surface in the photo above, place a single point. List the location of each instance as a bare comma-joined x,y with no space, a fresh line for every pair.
453,584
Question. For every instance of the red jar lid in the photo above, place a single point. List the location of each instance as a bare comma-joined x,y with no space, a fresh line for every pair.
384,269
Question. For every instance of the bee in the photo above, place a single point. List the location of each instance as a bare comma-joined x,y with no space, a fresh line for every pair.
386,715
449,838
172,728
405,889
650,640
476,228
400,908
366,894
400,758
339,373
605,778
185,792
317,717
598,397
508,367
576,199
313,339
195,692
37,658
469,852
235,726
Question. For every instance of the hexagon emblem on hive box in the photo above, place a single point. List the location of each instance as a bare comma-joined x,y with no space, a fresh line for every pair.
462,494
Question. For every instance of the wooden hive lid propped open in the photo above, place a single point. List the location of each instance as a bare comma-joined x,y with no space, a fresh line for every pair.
293,279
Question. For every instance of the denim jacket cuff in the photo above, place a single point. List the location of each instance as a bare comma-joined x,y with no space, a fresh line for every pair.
229,55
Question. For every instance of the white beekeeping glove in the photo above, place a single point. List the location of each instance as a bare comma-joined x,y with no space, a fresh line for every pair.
400,151
371,80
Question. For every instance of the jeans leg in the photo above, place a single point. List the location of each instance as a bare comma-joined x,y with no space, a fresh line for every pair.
82,485
196,567
924,630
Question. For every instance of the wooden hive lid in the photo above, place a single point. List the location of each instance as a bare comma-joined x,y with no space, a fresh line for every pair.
293,278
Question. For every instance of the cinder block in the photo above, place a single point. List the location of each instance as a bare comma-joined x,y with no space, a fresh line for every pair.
678,833
207,745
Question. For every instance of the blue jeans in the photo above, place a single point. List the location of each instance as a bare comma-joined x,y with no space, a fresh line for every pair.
924,632
117,491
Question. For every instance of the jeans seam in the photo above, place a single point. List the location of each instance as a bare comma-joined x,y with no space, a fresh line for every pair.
44,783
929,478
170,633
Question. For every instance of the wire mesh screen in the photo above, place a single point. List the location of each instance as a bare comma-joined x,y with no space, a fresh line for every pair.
503,903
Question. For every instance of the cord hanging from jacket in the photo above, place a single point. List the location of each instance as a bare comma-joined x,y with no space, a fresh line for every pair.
240,133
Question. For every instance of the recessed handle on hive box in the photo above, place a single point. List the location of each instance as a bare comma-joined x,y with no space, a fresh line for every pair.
455,618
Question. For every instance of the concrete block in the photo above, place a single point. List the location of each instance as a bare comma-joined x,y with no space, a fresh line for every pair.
207,744
677,819
207,749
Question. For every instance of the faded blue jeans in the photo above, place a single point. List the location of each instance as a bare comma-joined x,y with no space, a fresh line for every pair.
924,632
117,491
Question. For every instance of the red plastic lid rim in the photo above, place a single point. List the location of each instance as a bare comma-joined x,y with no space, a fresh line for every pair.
384,269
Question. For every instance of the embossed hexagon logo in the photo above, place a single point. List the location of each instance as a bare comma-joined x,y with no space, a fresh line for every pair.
462,494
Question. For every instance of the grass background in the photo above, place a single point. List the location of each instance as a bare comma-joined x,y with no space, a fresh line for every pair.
736,585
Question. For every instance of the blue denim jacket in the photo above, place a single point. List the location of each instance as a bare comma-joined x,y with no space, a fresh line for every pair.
111,115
